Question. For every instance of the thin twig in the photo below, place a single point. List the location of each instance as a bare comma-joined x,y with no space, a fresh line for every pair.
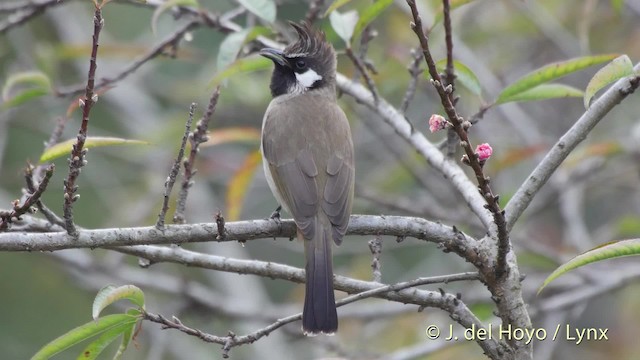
567,143
446,301
175,169
6,217
460,128
375,245
24,12
170,43
315,8
76,160
18,210
196,138
361,68
415,71
449,76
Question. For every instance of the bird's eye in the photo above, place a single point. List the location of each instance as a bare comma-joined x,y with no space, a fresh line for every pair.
300,64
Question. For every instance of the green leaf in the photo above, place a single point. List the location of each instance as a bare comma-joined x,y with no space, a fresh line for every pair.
617,5
127,335
110,294
453,4
546,91
38,84
610,250
247,64
344,24
266,9
617,69
64,148
550,72
336,4
81,333
230,47
463,74
370,14
167,5
97,346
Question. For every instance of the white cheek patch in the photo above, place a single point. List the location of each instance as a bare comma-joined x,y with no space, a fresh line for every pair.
308,78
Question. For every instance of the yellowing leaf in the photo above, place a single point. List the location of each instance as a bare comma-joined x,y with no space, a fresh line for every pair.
512,157
110,294
36,82
239,184
550,72
234,134
617,69
64,148
606,149
167,5
606,251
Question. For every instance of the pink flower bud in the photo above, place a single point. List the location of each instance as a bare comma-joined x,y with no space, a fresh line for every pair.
484,151
436,123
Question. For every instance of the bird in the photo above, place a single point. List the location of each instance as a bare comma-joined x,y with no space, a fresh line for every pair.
308,159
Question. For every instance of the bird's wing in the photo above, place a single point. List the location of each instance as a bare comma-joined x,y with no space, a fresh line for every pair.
304,179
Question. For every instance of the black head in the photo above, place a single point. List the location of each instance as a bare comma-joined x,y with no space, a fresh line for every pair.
306,65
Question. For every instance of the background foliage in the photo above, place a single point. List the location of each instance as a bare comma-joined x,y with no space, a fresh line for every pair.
594,198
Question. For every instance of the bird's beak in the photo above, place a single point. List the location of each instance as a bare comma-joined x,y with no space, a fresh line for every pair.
275,55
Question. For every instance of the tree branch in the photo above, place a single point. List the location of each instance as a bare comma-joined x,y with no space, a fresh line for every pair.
76,159
566,144
418,228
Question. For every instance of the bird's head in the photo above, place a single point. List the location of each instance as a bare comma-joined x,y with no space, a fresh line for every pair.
306,65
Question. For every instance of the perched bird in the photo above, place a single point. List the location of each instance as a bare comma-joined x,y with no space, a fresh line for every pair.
307,154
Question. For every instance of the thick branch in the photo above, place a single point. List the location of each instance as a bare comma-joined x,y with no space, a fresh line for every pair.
234,231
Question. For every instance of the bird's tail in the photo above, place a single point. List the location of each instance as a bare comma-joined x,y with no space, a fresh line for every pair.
319,314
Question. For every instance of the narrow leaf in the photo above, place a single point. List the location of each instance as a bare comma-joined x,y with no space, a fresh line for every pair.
230,47
110,294
167,5
97,346
239,184
248,64
344,24
266,9
610,250
82,333
453,4
466,77
336,4
546,91
64,148
37,84
234,134
370,14
550,72
127,335
617,69
24,96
